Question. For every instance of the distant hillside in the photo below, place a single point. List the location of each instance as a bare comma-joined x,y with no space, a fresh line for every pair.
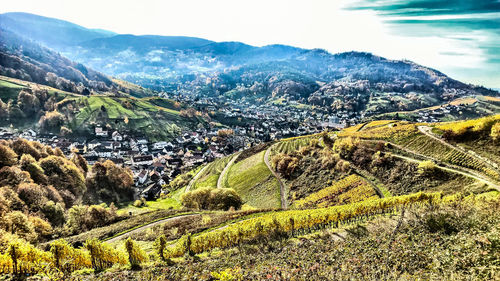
28,60
49,31
30,105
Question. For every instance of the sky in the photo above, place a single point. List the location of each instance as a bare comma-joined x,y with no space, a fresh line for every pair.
458,37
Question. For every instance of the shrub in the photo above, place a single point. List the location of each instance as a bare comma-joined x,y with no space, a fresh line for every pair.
427,167
212,199
136,255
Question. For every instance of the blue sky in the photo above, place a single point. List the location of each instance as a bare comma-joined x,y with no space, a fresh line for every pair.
458,37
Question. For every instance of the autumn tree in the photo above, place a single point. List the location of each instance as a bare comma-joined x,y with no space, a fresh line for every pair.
24,146
109,182
80,162
33,195
28,103
65,176
7,156
30,165
51,121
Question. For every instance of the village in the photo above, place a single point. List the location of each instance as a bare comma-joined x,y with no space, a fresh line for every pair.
156,163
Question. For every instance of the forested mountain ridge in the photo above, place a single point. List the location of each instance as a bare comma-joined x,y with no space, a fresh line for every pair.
345,83
27,60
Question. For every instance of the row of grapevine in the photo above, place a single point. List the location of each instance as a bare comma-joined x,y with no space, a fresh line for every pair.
475,125
350,189
22,258
392,132
377,123
291,145
292,221
425,145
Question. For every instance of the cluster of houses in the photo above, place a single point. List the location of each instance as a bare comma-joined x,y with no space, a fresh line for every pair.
436,114
154,164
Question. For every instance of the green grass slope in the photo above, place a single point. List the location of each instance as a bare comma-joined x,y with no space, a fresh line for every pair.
254,182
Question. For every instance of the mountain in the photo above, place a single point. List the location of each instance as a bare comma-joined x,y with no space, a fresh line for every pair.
49,31
28,60
352,84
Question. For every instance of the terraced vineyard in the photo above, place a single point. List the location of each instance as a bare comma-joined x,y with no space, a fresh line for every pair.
295,222
350,189
293,144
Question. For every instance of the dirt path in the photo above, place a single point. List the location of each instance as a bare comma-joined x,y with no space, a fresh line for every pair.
454,170
144,227
193,180
284,203
365,176
426,130
220,180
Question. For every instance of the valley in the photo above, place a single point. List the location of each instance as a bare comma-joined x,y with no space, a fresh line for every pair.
150,157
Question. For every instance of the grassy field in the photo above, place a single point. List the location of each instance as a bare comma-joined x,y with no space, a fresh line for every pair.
9,90
254,182
135,115
211,174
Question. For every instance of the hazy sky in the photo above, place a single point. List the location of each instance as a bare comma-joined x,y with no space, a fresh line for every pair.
458,37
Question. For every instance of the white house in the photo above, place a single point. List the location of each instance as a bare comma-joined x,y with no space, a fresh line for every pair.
100,132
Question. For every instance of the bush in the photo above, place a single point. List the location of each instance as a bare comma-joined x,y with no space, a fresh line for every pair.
427,167
212,199
495,132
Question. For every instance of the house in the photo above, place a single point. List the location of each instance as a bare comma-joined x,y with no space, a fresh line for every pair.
142,159
116,136
151,192
99,132
91,158
142,177
159,145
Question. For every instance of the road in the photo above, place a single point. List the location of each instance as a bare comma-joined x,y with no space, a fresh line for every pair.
144,227
284,204
200,172
220,180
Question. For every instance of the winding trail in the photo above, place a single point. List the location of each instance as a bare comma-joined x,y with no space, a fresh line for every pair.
442,165
149,225
284,203
193,180
220,180
426,130
454,170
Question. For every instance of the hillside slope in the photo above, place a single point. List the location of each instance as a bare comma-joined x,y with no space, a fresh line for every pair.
155,118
